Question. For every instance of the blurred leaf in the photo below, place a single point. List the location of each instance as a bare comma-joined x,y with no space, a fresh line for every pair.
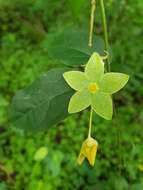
13,3
138,186
71,46
3,186
3,111
76,6
53,162
120,183
42,104
41,153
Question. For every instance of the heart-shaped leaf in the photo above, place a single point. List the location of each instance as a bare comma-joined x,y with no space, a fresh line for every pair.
42,104
70,46
76,6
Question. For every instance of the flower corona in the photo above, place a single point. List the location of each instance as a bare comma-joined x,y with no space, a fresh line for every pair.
92,88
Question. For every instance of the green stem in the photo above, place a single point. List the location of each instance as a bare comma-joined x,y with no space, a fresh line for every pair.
105,31
90,123
93,7
90,43
108,69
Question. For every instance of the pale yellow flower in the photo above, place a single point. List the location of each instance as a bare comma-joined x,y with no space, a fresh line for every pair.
88,151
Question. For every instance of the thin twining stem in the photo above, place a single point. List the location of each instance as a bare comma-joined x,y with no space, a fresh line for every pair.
93,7
105,32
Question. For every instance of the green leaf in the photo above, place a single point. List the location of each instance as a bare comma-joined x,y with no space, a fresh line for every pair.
70,46
41,153
137,186
94,69
3,186
76,79
113,82
102,105
42,104
79,101
53,163
76,6
120,183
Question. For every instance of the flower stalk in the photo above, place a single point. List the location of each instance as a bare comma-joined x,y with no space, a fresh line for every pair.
90,122
90,43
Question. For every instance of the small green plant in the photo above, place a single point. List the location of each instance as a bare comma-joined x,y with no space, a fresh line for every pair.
52,97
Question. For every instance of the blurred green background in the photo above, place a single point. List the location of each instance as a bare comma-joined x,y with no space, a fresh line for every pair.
24,27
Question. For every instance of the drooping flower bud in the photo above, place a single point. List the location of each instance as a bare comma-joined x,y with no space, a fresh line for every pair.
88,151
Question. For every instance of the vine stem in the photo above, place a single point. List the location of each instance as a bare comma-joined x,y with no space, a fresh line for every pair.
104,22
93,7
106,41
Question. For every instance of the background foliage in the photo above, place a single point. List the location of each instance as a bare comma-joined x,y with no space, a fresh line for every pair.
25,27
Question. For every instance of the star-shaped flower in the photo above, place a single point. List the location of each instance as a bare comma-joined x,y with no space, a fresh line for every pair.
94,87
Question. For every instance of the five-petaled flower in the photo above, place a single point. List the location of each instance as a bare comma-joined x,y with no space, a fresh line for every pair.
88,150
94,87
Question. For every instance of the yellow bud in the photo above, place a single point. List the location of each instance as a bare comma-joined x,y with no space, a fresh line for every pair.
88,150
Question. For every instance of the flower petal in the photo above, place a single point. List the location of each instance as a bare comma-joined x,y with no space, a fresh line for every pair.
79,101
81,158
76,79
113,82
94,69
93,155
102,105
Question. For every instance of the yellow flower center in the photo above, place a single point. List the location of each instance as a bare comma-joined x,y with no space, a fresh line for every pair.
92,87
